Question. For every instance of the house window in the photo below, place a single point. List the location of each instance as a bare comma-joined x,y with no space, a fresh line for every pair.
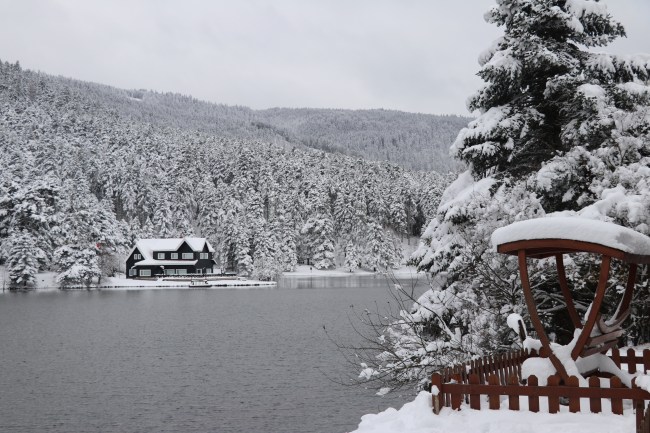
145,272
174,256
188,256
137,256
161,256
133,272
181,271
204,256
208,270
170,271
199,271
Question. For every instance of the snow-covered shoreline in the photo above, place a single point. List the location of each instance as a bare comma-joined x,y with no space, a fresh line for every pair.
310,271
47,280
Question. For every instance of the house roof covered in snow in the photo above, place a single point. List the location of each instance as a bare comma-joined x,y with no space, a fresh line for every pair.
148,246
633,245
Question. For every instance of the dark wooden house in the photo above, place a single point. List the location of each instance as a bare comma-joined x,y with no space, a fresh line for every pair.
179,256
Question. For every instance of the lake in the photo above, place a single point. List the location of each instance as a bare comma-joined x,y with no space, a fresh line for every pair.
180,360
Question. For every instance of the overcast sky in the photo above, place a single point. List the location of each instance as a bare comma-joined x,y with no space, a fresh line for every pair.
410,55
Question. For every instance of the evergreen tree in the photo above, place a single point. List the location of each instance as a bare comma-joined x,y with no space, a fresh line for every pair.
24,257
319,232
559,127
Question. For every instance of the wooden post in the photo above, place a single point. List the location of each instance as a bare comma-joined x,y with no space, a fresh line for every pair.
436,381
574,402
646,361
533,400
631,360
495,401
616,356
456,398
617,403
513,400
474,399
553,400
594,402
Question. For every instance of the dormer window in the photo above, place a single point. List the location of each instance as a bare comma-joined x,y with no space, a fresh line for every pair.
137,256
161,256
174,256
204,256
188,256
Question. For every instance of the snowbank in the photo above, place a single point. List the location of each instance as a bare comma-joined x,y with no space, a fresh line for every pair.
418,417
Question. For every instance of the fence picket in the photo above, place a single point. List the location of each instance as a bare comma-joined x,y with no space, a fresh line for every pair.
500,374
436,380
617,403
631,360
456,398
495,402
574,402
616,356
474,399
553,400
513,398
594,402
533,400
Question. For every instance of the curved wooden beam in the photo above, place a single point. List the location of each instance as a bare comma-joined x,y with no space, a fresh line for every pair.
594,312
575,318
534,316
623,310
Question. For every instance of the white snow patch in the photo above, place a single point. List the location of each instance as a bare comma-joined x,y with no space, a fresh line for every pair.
574,228
418,417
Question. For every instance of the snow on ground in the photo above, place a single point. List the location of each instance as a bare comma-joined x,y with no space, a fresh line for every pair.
418,417
47,281
122,283
308,271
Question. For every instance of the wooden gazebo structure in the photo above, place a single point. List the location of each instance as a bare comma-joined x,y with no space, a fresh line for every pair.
556,236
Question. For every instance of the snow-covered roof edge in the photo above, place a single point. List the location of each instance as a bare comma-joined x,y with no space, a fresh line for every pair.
574,228
148,246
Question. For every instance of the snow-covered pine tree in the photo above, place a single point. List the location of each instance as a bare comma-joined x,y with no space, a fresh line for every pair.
24,257
352,259
559,127
319,232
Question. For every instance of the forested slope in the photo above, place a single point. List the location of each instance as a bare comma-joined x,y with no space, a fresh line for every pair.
415,141
81,180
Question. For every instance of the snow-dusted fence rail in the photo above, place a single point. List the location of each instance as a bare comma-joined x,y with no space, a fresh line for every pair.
487,379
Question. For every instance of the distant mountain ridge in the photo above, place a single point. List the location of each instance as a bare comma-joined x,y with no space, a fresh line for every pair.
412,140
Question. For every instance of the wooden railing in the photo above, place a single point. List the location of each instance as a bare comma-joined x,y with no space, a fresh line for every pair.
489,378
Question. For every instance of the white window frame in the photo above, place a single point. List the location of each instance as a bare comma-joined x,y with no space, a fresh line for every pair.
188,256
181,271
174,256
208,270
133,272
170,271
160,256
145,272
204,256
137,256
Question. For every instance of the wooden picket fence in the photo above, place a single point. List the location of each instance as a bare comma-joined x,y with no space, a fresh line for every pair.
489,378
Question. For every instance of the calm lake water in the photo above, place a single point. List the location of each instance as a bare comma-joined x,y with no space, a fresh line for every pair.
253,360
